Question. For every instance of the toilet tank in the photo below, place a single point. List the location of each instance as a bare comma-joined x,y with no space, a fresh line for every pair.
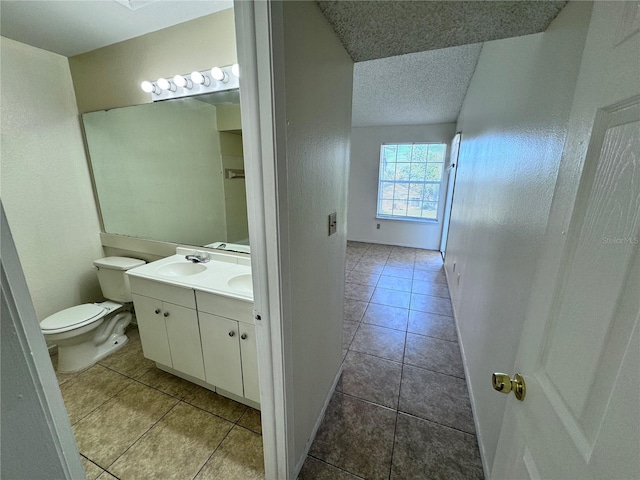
113,279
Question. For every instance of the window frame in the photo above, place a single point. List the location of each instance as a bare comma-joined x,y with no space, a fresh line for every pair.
440,183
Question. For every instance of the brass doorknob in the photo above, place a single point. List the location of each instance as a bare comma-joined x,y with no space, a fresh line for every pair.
502,383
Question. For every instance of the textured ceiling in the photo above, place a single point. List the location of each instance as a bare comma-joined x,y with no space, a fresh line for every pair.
373,29
418,88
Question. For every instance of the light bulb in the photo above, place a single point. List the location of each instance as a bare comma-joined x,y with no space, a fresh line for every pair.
235,69
218,74
165,84
200,79
182,82
148,87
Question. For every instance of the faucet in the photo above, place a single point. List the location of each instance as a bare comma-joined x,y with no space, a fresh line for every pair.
222,246
198,257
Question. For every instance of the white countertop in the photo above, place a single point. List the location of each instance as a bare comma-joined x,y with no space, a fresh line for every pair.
215,277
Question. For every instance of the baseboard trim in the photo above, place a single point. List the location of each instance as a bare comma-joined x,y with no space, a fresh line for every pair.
483,456
301,460
394,244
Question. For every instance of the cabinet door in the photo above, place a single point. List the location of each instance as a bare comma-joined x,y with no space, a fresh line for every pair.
184,339
153,334
221,352
249,354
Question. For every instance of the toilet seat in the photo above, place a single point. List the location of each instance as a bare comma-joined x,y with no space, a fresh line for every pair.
72,318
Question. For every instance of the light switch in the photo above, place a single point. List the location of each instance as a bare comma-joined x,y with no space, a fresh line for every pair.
333,223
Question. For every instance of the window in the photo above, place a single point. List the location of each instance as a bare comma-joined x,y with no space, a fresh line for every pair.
409,180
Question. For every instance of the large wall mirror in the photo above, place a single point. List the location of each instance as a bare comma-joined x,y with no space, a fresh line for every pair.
171,171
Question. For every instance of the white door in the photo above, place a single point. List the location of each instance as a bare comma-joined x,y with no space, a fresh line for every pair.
451,183
153,333
249,354
580,349
183,333
221,351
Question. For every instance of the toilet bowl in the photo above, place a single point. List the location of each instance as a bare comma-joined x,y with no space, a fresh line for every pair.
87,333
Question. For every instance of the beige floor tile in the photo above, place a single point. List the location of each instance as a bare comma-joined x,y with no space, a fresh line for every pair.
216,404
129,360
90,389
107,476
239,456
105,434
252,420
167,383
176,447
91,470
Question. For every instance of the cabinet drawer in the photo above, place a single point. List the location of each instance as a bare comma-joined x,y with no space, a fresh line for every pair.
168,293
225,307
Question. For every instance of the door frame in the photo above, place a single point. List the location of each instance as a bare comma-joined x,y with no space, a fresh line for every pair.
260,47
451,185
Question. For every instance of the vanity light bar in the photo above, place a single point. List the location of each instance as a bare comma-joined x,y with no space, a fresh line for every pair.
218,79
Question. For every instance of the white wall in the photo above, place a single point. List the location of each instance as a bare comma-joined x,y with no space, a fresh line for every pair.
45,183
318,75
363,186
513,123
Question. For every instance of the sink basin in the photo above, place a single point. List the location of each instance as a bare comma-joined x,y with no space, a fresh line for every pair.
241,282
181,269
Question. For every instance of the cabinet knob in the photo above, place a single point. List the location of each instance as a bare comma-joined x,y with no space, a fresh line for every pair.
243,336
157,311
232,333
166,314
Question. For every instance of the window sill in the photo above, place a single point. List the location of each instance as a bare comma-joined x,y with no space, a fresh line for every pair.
410,220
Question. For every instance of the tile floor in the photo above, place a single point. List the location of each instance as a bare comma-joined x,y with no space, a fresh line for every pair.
401,409
134,421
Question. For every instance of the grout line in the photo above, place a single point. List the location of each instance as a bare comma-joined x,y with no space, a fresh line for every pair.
213,453
433,371
140,437
335,466
436,423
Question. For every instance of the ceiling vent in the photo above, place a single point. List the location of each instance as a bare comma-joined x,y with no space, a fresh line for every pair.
134,4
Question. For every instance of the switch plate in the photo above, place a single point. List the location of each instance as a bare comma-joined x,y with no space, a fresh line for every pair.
333,223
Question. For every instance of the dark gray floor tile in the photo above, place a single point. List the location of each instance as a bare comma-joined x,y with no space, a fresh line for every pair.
386,316
366,266
437,276
395,283
432,325
356,436
427,303
397,271
314,469
353,310
348,331
437,397
430,288
392,298
362,278
425,450
371,378
400,263
434,354
356,291
379,341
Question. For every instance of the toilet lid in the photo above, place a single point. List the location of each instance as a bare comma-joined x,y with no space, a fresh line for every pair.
72,316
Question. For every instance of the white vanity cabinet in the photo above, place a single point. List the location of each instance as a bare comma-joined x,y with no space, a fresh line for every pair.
168,324
229,344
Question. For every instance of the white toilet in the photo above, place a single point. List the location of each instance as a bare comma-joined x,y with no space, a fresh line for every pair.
87,333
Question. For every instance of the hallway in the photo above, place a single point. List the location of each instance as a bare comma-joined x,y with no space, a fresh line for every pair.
401,409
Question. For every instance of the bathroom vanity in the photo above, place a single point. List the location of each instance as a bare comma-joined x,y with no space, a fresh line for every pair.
196,321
